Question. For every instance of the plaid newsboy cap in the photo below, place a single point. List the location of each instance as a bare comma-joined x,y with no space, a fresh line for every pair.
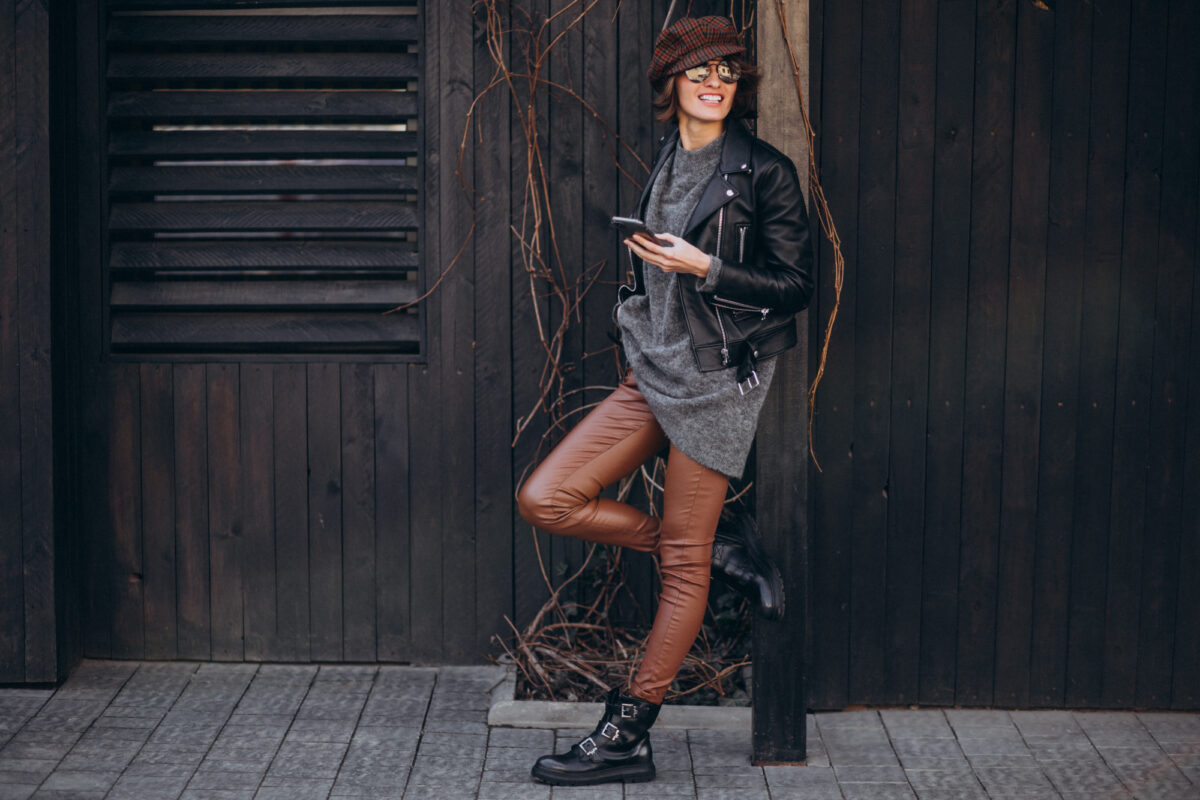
691,41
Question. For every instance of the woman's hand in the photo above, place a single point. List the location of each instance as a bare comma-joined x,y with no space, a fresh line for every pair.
681,256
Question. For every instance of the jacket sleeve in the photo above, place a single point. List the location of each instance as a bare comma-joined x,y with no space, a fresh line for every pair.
779,276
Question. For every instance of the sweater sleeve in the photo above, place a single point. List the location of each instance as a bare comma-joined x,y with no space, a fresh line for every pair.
709,284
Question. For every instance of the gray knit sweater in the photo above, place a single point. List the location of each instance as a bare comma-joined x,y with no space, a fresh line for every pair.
702,413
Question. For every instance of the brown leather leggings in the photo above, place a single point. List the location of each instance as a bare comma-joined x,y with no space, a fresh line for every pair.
562,496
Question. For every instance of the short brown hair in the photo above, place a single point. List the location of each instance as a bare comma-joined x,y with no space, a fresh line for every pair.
666,106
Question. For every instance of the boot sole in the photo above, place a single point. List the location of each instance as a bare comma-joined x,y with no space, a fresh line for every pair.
631,774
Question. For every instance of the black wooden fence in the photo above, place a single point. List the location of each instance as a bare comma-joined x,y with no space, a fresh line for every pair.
1008,513
1008,425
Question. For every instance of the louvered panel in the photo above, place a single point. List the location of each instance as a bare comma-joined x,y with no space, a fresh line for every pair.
264,178
259,178
282,255
294,107
261,144
193,332
277,295
198,68
386,29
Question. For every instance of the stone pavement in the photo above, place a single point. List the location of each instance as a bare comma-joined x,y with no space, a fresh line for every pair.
274,732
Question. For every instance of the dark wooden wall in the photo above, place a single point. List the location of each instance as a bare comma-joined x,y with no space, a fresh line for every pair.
1008,513
38,628
353,509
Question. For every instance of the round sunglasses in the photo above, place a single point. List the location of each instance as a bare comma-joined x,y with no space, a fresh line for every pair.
725,71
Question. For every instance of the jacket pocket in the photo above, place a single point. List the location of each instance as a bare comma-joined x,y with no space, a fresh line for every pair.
739,310
741,234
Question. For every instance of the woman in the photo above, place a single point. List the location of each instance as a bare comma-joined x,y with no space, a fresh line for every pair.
707,310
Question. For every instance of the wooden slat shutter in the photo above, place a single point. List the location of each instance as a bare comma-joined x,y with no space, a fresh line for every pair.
264,178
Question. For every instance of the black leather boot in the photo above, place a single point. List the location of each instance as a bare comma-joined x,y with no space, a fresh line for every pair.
618,750
739,560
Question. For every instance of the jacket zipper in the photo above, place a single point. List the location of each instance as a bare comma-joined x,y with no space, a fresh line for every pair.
741,244
738,306
720,229
724,340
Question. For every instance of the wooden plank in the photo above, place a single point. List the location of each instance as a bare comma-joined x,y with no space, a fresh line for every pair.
309,215
454,341
875,265
256,455
12,607
273,69
424,396
290,435
983,416
123,510
157,458
262,144
1135,349
203,332
393,536
916,135
34,292
344,28
833,516
494,478
1159,638
1016,553
277,295
781,462
191,512
215,256
359,575
947,351
564,124
299,106
225,522
324,513
1185,683
1065,266
268,179
528,355
1098,350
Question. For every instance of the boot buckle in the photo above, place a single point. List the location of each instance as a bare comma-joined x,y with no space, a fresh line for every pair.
628,711
610,731
587,743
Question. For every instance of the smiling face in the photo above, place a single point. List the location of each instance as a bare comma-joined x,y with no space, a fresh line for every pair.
708,101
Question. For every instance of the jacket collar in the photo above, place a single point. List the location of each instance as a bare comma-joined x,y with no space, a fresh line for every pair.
735,157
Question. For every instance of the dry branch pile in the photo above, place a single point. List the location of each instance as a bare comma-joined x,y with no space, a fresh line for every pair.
573,651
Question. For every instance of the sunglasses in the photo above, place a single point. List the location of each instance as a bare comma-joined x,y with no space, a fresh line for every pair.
725,71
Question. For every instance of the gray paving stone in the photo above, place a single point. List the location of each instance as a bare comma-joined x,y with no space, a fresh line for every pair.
294,790
840,720
960,778
607,791
76,781
68,794
963,718
147,787
217,794
1003,745
946,748
13,791
869,774
223,780
489,790
732,793
877,791
520,737
799,776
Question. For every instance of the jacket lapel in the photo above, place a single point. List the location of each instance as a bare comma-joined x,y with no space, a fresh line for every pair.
735,157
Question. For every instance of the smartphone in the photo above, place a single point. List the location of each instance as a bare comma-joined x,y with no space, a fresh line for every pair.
628,226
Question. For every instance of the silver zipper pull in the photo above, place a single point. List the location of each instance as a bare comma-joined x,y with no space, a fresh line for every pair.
724,356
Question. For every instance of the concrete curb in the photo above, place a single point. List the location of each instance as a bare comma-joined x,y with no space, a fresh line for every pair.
505,712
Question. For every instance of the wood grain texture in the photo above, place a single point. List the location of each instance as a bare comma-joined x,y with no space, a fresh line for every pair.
1029,221
947,353
781,463
12,606
1060,353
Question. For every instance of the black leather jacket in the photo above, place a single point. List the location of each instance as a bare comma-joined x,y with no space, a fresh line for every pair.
753,217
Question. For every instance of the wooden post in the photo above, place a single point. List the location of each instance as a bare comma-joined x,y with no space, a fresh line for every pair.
780,652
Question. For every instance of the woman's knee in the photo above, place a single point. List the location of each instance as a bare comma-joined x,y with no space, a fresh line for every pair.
542,505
